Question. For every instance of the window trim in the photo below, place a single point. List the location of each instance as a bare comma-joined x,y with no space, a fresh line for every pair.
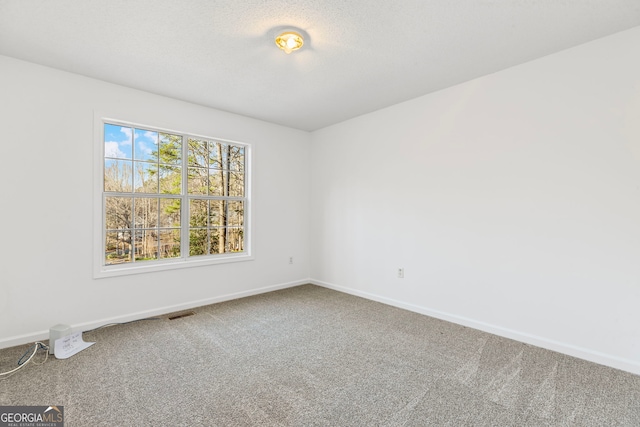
100,270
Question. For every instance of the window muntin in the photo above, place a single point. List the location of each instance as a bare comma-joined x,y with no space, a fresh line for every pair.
158,209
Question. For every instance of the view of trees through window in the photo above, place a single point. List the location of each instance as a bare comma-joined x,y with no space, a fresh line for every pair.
161,188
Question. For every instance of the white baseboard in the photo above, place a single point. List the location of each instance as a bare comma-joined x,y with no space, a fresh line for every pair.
628,365
44,335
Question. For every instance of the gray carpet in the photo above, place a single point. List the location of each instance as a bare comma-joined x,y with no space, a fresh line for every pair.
310,356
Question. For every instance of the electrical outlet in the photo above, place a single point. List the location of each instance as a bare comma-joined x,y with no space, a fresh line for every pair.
290,260
401,273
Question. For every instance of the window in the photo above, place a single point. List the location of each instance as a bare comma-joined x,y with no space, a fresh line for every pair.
170,198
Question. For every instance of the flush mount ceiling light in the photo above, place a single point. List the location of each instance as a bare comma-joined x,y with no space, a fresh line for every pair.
289,41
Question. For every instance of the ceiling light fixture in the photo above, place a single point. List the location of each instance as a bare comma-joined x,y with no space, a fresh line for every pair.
289,41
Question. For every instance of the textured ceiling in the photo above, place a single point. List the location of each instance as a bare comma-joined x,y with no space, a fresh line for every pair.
359,55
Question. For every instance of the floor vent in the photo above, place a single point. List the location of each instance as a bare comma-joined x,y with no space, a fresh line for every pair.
181,315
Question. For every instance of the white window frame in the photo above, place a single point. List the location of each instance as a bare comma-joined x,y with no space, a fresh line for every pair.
101,270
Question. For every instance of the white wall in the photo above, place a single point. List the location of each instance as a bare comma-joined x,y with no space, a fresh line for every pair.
512,201
46,122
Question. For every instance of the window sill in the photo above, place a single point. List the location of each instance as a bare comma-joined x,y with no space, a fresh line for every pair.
104,271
